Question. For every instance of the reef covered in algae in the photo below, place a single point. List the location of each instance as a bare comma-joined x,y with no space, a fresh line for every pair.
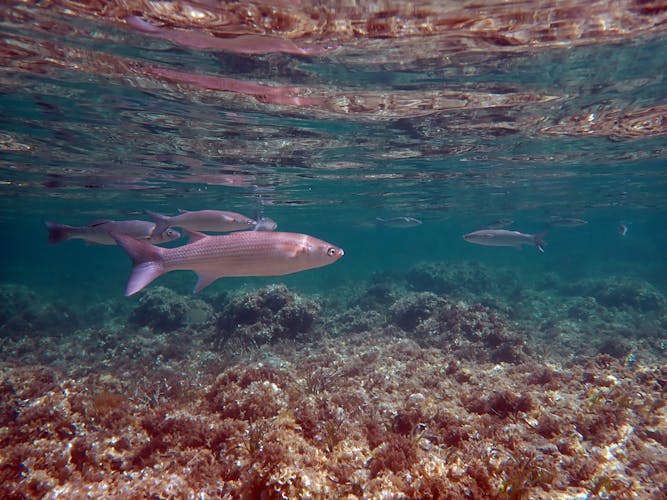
416,386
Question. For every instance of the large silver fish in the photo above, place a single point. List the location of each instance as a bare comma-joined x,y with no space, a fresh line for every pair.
505,238
98,231
217,221
247,253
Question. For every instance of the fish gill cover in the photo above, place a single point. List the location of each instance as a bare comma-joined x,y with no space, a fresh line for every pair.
419,365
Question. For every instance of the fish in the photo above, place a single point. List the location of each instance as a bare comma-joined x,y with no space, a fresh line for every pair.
499,223
400,222
99,231
203,220
566,221
505,238
265,224
245,253
623,229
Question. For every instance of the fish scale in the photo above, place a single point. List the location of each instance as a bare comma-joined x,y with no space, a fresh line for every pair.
236,254
239,253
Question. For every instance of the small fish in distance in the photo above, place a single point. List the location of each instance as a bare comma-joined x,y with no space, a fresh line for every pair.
500,224
400,222
98,232
217,221
623,229
505,238
246,253
566,221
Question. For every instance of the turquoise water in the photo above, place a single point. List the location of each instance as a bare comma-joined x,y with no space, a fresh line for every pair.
456,140
102,121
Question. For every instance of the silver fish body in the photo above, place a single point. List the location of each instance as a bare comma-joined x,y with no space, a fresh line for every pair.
217,221
247,253
505,238
99,232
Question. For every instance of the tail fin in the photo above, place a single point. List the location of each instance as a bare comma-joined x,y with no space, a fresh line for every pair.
161,223
539,242
147,262
57,232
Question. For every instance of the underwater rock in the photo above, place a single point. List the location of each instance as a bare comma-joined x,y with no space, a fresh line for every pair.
501,403
15,300
616,346
355,320
585,308
56,318
412,308
24,313
620,293
217,301
161,309
377,296
271,313
474,331
430,277
466,278
107,311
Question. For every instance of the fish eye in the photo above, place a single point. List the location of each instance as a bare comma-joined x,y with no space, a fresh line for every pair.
331,252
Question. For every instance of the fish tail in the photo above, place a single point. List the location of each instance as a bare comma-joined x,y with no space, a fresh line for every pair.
539,242
147,262
57,232
161,222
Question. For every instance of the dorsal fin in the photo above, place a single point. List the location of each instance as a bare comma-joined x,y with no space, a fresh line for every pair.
181,211
194,235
